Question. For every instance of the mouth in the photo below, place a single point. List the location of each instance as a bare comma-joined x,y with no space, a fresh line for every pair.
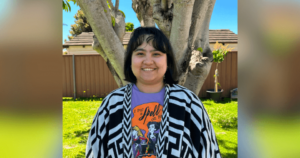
148,69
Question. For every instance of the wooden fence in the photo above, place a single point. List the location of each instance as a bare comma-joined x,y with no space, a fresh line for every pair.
93,78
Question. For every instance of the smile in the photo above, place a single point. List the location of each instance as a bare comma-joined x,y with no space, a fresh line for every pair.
148,69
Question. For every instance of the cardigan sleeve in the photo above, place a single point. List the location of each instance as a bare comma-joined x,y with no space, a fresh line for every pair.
208,146
98,135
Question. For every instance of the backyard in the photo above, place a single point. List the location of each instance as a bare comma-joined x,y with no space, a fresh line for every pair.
78,116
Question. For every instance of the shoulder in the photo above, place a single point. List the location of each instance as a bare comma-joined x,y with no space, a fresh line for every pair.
182,92
116,93
114,97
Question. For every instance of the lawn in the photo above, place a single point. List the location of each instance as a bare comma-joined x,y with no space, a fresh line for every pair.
78,116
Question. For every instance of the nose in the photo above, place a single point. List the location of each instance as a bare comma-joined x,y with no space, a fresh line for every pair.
148,60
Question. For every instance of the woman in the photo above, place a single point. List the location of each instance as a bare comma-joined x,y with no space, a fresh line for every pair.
152,136
152,96
138,140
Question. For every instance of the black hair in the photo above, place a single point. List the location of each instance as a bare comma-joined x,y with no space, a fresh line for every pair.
156,124
160,42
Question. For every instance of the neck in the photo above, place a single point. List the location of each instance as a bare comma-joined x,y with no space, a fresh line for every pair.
149,88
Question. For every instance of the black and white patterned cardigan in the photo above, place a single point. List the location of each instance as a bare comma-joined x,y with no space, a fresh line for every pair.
185,130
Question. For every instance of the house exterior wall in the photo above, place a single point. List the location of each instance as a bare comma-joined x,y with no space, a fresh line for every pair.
80,50
234,45
76,50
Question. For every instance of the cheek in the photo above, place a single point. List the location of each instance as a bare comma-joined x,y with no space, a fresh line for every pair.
135,61
163,63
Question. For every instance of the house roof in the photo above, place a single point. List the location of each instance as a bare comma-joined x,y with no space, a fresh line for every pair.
222,36
86,38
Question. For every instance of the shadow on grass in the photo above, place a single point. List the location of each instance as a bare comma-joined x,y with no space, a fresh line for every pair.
81,154
82,134
231,151
81,99
230,123
223,101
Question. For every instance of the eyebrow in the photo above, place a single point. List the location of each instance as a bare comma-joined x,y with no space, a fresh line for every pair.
141,49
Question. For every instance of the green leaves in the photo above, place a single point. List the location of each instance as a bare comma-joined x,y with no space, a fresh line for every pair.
113,21
66,5
200,49
122,13
219,55
129,27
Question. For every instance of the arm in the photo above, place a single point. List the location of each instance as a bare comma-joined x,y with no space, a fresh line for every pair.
98,135
202,130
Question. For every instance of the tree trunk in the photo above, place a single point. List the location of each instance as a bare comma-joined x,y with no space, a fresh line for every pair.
109,38
184,22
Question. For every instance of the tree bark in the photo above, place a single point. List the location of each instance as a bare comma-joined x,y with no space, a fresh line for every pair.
144,12
119,27
117,7
162,16
106,35
199,37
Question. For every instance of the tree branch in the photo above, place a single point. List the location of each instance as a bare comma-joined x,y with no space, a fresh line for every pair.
134,5
120,25
144,12
163,19
180,29
200,62
111,5
104,32
198,17
97,47
202,38
117,7
199,68
106,10
164,5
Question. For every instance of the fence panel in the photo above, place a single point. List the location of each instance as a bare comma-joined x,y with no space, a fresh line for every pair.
93,77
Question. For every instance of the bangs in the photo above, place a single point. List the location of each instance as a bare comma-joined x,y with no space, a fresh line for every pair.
158,42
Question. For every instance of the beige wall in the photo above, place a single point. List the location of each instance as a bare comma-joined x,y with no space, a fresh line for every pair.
234,45
80,50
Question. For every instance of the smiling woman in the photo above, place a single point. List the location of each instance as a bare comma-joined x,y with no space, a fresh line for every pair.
152,116
149,66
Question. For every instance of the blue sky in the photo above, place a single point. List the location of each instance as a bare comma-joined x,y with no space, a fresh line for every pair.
224,16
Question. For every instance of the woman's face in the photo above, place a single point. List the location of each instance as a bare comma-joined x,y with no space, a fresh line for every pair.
148,64
134,133
152,128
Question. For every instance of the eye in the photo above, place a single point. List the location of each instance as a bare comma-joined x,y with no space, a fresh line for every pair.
156,54
139,53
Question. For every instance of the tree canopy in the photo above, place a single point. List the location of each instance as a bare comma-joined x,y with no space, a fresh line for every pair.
81,25
129,27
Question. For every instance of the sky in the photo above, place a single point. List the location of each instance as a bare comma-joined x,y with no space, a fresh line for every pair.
224,16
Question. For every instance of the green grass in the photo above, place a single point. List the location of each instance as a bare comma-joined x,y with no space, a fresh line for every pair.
78,116
223,116
77,119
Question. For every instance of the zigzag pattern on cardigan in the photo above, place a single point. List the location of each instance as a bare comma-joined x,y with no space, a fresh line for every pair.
185,130
164,126
127,135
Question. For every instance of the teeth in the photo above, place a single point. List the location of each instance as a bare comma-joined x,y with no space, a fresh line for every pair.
148,69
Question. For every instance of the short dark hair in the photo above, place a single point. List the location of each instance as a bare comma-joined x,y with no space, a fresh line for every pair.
156,124
160,42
